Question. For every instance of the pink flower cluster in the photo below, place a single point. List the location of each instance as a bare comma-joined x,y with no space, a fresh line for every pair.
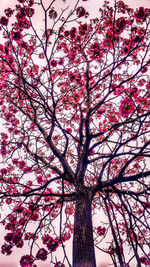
26,261
127,107
101,230
81,12
145,260
42,254
52,244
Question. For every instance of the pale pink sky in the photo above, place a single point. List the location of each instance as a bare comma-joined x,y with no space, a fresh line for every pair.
13,260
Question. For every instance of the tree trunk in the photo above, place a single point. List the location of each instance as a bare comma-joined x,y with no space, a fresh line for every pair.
83,243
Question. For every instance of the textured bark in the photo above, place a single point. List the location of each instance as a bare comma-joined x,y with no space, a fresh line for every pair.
83,243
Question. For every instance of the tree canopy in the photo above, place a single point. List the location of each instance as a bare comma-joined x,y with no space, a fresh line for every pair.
75,103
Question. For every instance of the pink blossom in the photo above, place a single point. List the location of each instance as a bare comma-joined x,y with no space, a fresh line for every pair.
3,171
140,14
145,261
80,12
53,63
9,12
26,261
101,230
65,236
69,209
6,249
148,86
144,103
4,21
52,14
127,107
42,254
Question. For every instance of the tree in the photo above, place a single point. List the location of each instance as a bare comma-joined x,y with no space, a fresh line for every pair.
75,98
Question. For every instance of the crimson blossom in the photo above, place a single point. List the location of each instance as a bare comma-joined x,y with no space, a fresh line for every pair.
75,103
